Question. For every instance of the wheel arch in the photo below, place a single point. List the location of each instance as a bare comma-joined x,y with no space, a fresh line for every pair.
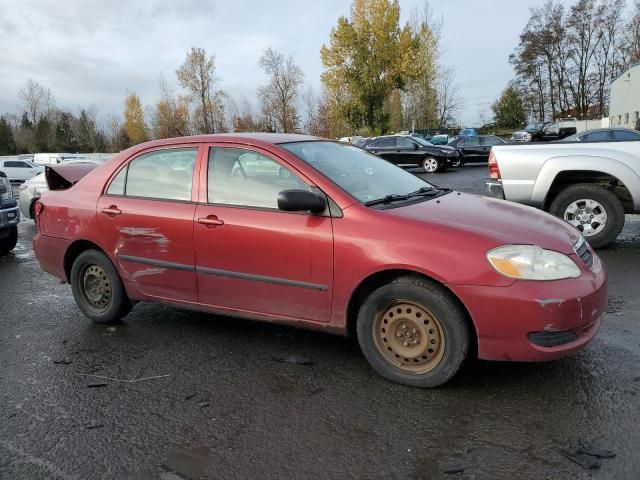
382,277
74,250
558,173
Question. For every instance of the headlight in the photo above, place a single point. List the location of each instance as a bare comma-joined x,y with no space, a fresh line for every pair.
530,262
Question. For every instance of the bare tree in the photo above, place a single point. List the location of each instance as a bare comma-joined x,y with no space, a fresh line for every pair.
310,106
38,100
280,95
197,75
449,98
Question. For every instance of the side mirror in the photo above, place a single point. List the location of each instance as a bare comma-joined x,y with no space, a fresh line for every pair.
415,146
301,201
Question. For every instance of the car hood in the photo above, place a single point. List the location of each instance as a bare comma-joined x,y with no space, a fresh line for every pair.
498,222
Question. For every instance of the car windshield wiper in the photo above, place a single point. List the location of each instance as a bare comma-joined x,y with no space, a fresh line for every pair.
421,192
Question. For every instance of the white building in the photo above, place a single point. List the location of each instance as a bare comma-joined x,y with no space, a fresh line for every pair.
624,110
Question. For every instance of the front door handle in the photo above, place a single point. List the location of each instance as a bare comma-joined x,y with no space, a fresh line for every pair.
210,221
112,211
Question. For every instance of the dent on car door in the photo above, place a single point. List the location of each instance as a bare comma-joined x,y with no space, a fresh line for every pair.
146,221
252,257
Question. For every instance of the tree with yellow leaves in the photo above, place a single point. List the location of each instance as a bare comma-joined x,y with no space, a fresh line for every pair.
368,57
134,124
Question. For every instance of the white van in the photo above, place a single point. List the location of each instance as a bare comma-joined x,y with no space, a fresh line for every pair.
53,158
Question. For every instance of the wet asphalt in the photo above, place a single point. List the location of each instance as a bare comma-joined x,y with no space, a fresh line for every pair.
190,395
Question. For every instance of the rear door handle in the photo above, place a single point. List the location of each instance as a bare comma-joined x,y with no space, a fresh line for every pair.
210,221
112,211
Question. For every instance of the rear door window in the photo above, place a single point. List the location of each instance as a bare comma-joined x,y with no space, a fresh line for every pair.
490,141
385,142
161,174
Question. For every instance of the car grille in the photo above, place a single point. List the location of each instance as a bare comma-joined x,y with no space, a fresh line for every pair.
582,250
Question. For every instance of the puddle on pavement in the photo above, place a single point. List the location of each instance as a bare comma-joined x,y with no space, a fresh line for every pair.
185,463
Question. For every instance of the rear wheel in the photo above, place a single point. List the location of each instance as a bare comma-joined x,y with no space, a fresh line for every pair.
98,289
412,331
9,240
431,165
593,210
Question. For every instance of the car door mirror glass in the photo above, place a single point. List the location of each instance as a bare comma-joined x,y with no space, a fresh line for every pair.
301,201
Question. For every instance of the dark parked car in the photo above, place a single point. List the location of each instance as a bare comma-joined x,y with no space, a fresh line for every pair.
405,150
604,135
475,149
9,216
546,131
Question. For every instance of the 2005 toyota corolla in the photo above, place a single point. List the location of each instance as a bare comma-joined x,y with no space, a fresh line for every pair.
311,232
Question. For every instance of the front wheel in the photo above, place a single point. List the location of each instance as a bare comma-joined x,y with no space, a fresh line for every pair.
9,240
593,210
431,165
412,331
98,289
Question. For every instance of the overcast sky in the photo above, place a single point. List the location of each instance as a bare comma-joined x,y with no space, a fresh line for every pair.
92,52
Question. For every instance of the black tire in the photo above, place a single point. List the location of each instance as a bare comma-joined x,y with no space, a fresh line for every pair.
9,242
610,203
431,164
110,302
427,296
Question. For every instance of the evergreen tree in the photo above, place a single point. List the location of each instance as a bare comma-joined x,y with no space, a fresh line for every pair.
7,142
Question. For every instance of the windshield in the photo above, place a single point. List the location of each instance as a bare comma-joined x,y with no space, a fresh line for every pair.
422,141
534,126
362,175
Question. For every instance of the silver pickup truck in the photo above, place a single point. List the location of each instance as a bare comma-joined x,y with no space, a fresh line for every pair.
590,185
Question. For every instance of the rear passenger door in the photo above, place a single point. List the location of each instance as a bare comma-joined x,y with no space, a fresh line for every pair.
384,147
146,220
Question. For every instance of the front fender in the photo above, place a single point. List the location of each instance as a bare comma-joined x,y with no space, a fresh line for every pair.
556,165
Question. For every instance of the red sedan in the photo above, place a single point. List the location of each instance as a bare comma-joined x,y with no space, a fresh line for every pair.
306,231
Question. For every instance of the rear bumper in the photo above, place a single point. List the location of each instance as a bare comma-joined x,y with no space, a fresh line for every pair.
50,253
536,321
493,188
9,217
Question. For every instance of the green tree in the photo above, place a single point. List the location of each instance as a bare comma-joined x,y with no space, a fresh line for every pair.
65,140
134,123
7,142
368,57
42,135
509,108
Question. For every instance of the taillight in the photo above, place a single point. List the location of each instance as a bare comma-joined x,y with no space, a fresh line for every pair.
38,208
494,171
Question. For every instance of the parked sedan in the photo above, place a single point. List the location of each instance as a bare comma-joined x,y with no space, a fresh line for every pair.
18,171
604,135
347,242
406,150
475,149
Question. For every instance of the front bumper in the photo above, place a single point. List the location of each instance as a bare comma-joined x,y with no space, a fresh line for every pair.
493,188
511,320
9,217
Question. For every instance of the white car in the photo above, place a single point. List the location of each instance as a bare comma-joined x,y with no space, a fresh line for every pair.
20,170
31,189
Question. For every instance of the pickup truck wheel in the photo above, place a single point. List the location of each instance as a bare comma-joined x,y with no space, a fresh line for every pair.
413,332
593,210
430,165
9,241
98,289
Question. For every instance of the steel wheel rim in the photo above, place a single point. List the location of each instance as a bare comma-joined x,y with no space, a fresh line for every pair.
430,165
587,215
409,337
96,287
